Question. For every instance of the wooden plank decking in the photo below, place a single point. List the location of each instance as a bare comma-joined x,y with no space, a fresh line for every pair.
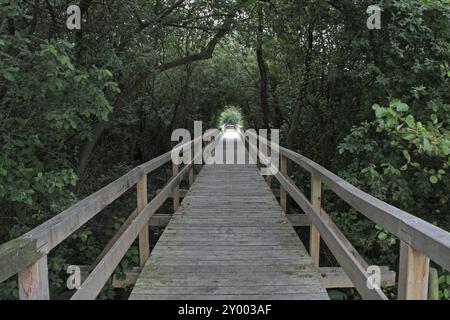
229,240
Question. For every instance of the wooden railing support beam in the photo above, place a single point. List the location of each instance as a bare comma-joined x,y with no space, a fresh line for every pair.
433,285
413,274
283,193
144,239
33,281
314,235
176,190
269,177
191,171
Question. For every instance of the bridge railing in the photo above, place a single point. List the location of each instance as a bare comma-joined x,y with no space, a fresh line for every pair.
420,241
27,255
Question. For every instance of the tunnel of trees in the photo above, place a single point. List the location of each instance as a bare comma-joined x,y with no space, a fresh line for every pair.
79,108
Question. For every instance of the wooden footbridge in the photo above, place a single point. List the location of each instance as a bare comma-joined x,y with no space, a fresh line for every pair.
230,238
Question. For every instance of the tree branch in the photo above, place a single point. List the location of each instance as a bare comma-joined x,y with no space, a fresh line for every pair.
145,24
206,53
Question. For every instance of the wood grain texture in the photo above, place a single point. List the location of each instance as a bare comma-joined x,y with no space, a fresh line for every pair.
283,193
17,255
413,274
314,235
424,237
229,239
342,250
144,240
33,281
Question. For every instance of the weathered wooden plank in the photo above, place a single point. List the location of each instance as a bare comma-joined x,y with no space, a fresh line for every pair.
308,282
230,230
234,247
144,240
17,255
283,194
336,278
229,253
297,296
176,190
413,274
191,171
296,220
224,290
314,235
33,281
223,269
433,285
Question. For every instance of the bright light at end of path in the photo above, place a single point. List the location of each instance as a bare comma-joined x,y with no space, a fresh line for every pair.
231,134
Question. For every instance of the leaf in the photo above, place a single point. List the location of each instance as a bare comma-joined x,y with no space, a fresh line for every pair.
108,73
399,106
410,122
434,118
434,179
8,75
407,155
426,145
382,236
380,112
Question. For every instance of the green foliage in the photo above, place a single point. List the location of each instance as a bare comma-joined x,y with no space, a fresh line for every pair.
47,104
444,286
45,100
403,155
230,116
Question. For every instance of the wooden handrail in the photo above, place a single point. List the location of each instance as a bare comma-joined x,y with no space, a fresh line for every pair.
11,262
420,240
343,251
27,255
417,233
94,283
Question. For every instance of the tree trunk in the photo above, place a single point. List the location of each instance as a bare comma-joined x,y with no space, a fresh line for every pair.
294,130
263,78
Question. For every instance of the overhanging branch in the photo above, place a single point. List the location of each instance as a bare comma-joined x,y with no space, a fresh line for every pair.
205,54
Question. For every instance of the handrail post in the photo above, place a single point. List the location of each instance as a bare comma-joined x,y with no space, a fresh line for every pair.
176,190
191,171
413,274
142,200
433,285
33,281
269,156
314,239
283,193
